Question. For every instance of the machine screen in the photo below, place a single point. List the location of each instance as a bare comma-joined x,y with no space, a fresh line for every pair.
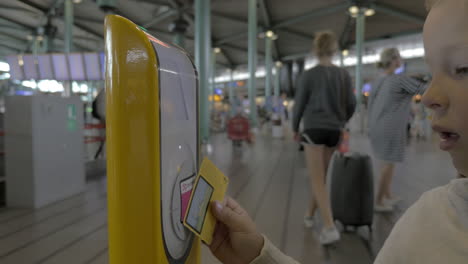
178,145
199,206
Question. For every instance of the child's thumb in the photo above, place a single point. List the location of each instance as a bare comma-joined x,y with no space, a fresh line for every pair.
227,216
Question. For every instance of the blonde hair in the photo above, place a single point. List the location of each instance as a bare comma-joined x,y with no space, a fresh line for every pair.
387,56
325,44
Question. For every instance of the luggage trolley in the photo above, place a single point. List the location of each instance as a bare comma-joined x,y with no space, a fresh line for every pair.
238,130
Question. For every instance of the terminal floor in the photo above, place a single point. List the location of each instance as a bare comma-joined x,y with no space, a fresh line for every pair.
269,179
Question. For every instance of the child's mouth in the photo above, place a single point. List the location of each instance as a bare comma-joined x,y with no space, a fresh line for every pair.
448,140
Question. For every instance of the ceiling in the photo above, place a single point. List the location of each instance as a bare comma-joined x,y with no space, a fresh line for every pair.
294,21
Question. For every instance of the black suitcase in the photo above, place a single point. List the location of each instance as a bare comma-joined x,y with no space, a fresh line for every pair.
352,190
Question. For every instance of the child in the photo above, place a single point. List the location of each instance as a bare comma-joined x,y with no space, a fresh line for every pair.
435,228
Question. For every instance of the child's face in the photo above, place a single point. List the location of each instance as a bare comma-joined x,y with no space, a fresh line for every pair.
446,44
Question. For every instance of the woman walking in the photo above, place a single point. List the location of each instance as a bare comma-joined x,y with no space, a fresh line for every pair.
325,102
389,110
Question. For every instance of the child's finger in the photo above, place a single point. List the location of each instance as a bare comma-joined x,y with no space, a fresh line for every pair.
232,219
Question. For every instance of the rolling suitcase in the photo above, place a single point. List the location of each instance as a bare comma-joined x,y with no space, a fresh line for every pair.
352,190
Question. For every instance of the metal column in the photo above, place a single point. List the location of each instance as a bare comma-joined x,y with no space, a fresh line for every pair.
68,25
213,77
202,60
360,33
232,100
341,59
43,39
253,60
277,86
179,28
45,45
268,69
179,39
35,46
68,46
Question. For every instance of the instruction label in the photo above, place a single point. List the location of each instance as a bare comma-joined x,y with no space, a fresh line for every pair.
186,187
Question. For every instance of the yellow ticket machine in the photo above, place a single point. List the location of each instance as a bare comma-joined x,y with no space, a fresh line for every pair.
152,152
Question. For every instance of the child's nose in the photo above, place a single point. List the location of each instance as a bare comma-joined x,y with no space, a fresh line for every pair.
434,97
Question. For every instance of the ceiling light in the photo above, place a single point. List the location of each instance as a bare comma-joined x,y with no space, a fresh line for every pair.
77,1
270,34
345,52
279,64
370,12
217,50
354,10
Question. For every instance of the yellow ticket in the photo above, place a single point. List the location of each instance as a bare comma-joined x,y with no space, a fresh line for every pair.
210,185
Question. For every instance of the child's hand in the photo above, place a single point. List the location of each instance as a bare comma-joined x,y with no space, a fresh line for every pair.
236,239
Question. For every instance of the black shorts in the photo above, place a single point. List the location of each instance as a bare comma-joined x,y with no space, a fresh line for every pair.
327,137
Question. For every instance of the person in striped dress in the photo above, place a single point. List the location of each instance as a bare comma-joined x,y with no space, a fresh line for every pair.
389,109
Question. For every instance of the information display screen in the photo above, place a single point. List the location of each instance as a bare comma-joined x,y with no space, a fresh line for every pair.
102,59
30,67
60,64
16,72
92,66
46,71
77,69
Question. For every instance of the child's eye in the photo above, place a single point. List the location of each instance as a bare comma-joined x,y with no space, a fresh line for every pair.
461,70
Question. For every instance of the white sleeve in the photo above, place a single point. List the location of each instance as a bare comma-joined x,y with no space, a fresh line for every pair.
413,235
272,255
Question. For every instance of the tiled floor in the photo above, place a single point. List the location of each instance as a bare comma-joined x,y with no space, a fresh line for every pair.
269,179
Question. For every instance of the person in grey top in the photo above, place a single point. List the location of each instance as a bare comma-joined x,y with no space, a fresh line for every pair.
325,102
389,109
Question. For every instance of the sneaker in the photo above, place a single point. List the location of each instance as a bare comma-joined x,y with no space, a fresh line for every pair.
308,221
383,208
329,236
393,201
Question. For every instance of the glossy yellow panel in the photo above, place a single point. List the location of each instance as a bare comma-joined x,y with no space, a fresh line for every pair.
133,169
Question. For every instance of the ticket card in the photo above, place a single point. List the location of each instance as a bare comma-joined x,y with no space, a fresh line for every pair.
210,185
